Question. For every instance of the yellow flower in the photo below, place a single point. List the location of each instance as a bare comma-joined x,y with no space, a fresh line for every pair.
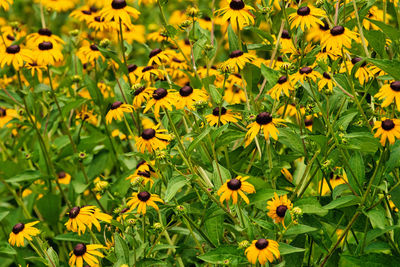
224,116
47,54
147,73
21,231
158,57
5,4
390,93
283,85
363,73
303,74
339,37
117,111
326,80
81,218
141,95
287,174
265,123
85,253
89,53
14,55
63,177
233,187
237,60
144,173
306,17
237,13
43,35
142,200
161,98
152,139
262,250
277,208
118,10
387,129
188,97
318,32
334,180
7,114
234,95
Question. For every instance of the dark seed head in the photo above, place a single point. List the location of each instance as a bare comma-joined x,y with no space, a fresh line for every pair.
45,31
3,112
159,93
186,90
285,34
387,125
98,19
176,60
337,30
139,90
326,75
303,11
236,53
74,212
13,49
116,105
147,68
356,60
234,184
93,9
264,118
305,70
282,79
236,4
140,163
10,37
45,46
280,59
87,12
155,52
118,4
281,211
147,134
132,67
94,47
207,18
308,122
143,196
61,174
324,27
261,243
395,86
145,174
215,111
18,228
79,249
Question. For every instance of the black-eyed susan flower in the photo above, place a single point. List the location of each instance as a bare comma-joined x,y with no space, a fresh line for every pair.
144,173
262,250
143,199
98,23
22,231
237,13
335,179
237,60
149,72
387,129
84,13
264,123
47,54
283,85
158,57
390,93
308,122
84,217
59,5
43,35
100,216
304,74
374,13
7,114
290,110
363,73
222,116
161,98
317,33
141,95
326,80
14,55
5,4
85,253
117,111
88,53
234,187
277,208
188,97
286,43
339,37
152,139
234,95
306,17
326,55
118,10
63,177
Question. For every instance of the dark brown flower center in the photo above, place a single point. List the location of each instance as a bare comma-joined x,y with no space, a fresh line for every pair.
13,49
308,122
10,37
61,174
395,86
147,134
155,52
337,30
282,79
216,111
94,47
236,4
356,60
18,228
99,19
264,118
176,60
159,93
145,174
285,34
45,31
140,163
387,125
138,91
305,70
236,53
45,46
261,243
132,67
116,105
186,90
79,249
234,184
118,4
280,59
87,12
324,27
326,75
74,212
281,211
3,112
147,68
303,11
93,9
143,196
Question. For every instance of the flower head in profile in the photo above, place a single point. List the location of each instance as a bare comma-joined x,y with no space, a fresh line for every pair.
22,231
152,139
119,11
364,72
234,187
237,13
148,73
277,208
283,85
144,173
264,123
306,17
84,217
262,250
89,53
390,93
63,177
85,253
159,57
304,74
335,179
387,129
117,111
5,4
221,116
237,60
326,81
143,199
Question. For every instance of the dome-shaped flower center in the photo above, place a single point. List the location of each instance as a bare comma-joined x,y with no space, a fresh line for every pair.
93,9
118,4
305,70
132,67
147,68
143,196
236,53
387,125
303,11
264,118
216,111
236,4
45,46
395,86
79,249
3,112
176,60
308,122
356,60
99,19
139,90
10,37
186,90
337,30
61,174
234,184
74,212
261,243
13,49
326,75
147,134
324,27
140,163
280,59
145,174
155,52
18,228
87,12
116,105
282,79
285,34
94,47
281,211
159,93
45,32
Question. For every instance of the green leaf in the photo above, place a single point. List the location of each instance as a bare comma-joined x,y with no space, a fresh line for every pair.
174,185
299,229
220,170
214,228
3,214
343,201
265,194
25,176
356,163
377,218
251,75
290,139
233,39
390,31
222,254
286,249
49,206
271,75
345,119
215,94
394,159
198,139
395,196
52,258
363,141
376,41
7,249
74,237
392,67
375,233
121,249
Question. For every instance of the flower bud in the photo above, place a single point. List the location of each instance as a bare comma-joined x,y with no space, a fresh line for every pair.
74,33
192,12
104,43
